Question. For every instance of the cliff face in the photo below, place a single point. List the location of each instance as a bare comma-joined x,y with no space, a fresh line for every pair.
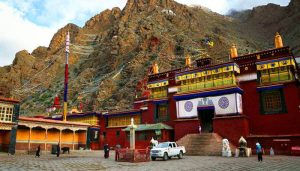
115,48
265,20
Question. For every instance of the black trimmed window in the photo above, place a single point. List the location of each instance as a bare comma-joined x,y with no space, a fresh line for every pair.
161,112
272,102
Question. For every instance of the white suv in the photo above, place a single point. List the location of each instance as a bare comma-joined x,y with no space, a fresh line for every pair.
166,150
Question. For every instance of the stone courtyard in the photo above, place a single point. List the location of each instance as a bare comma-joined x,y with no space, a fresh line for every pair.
95,161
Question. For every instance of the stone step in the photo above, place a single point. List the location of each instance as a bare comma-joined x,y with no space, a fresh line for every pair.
206,144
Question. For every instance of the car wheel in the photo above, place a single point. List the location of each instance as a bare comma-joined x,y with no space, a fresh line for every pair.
180,155
165,156
153,158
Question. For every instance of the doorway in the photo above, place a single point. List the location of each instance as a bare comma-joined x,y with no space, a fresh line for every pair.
206,120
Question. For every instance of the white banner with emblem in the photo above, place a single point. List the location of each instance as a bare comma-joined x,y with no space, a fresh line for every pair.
224,104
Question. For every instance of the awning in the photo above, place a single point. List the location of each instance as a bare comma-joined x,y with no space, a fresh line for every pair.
147,127
275,63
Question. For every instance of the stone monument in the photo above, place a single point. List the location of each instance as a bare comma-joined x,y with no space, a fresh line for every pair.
132,134
153,142
226,151
242,149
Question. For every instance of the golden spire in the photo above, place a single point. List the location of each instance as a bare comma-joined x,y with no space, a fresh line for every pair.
188,60
155,68
278,41
233,51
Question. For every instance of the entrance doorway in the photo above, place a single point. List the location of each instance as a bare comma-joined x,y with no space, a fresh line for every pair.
206,120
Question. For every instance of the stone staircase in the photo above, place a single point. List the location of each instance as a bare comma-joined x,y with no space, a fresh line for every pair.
204,144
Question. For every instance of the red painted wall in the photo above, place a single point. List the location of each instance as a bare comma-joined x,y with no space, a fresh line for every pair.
272,124
250,123
143,144
172,110
280,144
182,128
231,127
148,115
111,138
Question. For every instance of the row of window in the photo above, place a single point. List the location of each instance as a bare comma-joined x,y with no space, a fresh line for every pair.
265,76
123,120
159,92
221,76
93,120
275,75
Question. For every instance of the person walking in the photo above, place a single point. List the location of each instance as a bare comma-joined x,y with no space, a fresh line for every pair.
117,156
199,129
57,150
259,152
37,154
106,151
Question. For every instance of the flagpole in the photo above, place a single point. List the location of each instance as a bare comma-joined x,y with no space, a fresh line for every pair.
66,78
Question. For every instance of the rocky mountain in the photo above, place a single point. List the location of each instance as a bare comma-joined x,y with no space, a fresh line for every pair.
115,49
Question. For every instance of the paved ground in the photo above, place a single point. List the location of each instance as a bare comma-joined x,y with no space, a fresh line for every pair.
95,161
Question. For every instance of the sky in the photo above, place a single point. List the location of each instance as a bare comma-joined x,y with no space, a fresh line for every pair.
27,24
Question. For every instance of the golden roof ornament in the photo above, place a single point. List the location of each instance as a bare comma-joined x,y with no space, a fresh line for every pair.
278,41
233,51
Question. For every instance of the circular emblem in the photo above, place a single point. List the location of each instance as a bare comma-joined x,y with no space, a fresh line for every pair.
223,102
188,106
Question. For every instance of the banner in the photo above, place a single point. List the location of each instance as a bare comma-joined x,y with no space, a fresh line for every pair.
12,140
223,105
16,113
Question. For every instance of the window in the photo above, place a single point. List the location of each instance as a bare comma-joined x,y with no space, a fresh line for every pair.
227,74
161,112
6,113
123,120
208,78
142,136
104,135
272,102
159,92
117,134
278,74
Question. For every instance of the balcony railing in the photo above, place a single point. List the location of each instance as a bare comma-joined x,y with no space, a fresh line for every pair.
207,85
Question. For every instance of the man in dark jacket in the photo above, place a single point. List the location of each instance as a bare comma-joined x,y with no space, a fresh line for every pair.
57,150
259,152
106,151
37,154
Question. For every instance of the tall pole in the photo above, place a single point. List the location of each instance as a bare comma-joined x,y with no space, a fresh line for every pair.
66,77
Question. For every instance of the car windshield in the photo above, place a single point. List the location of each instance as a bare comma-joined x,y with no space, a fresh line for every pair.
163,145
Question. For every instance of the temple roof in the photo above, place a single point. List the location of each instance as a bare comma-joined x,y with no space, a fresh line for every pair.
52,121
147,127
9,100
122,113
75,115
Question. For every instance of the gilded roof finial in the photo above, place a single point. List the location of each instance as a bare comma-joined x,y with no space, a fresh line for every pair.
233,51
155,68
278,41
